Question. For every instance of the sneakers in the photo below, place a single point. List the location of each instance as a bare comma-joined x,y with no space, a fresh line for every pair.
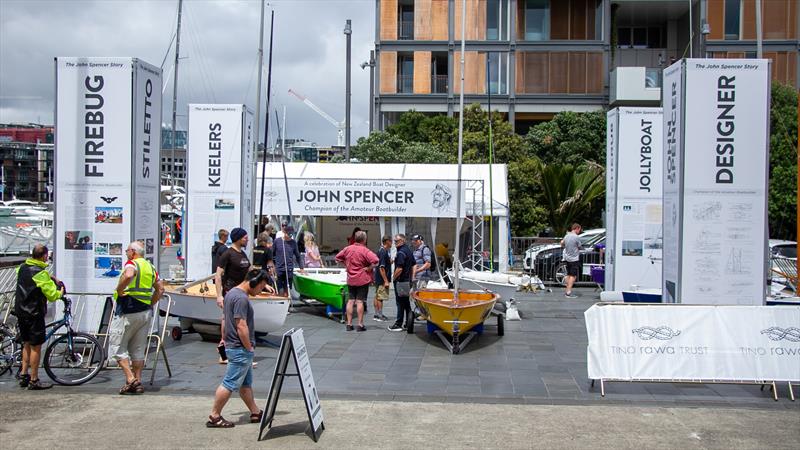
384,318
349,328
361,328
38,385
24,380
380,318
570,295
396,327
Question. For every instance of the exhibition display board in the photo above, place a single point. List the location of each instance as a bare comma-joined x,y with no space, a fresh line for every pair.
220,180
633,198
716,135
107,143
693,342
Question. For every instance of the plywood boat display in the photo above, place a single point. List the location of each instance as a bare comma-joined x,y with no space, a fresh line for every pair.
455,316
503,284
198,304
327,285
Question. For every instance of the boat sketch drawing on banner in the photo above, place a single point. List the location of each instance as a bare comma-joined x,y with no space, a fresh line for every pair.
707,211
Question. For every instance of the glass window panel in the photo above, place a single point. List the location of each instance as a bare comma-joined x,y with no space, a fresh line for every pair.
498,73
492,20
640,37
623,37
733,12
537,20
654,37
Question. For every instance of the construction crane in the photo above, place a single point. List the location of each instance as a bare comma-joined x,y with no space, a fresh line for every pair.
339,125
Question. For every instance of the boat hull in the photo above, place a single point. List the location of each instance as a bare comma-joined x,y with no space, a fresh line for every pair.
498,283
270,312
455,317
328,286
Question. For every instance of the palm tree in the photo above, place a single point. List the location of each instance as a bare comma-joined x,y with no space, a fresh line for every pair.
569,191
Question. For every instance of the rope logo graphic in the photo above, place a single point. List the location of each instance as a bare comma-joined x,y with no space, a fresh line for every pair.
791,334
663,333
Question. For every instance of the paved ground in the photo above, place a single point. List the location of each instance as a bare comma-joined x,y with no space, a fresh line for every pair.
52,419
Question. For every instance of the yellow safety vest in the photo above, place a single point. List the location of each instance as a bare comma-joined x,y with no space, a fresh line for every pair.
141,288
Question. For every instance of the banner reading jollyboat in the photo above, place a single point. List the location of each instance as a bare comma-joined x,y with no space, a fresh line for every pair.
338,197
218,195
693,342
634,169
721,215
107,138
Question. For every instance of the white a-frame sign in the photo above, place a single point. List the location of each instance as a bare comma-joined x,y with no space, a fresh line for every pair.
294,344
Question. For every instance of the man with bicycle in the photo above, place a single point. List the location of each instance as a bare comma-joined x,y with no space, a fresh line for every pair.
35,287
137,291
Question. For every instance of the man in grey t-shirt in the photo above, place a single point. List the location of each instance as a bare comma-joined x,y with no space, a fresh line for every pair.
240,337
572,256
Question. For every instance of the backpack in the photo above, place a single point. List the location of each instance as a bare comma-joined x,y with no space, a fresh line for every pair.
433,268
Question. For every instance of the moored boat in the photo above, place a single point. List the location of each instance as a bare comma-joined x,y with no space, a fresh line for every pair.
199,303
327,285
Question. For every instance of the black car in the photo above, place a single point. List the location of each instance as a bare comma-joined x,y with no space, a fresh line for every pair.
549,265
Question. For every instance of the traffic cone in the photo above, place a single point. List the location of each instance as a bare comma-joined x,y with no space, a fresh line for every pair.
168,240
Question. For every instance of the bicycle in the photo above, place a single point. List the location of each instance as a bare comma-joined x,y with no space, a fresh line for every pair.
10,349
72,358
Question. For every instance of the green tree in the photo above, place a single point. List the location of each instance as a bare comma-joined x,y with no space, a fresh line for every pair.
570,193
783,163
383,147
528,215
570,138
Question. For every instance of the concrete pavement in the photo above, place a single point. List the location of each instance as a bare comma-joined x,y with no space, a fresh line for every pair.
54,418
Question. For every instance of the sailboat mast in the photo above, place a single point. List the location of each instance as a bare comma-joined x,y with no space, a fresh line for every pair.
266,119
175,91
258,90
457,259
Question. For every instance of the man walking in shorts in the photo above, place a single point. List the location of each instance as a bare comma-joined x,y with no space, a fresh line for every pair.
383,278
572,256
359,261
240,341
35,287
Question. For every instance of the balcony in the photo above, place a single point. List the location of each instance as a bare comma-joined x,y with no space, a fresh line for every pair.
438,84
405,30
405,84
635,86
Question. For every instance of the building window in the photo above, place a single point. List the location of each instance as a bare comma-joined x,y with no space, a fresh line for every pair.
405,25
496,20
405,75
640,37
733,15
439,73
537,20
498,73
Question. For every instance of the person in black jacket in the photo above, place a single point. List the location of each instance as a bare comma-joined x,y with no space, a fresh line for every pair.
218,249
35,287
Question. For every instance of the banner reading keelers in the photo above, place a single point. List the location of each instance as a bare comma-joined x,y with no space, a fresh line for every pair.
216,167
634,243
675,342
721,222
93,170
381,198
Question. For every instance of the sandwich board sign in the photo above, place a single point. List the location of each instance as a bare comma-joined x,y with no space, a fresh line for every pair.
716,158
293,344
107,140
220,179
633,198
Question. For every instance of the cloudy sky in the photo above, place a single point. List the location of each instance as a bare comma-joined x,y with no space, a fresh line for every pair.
219,54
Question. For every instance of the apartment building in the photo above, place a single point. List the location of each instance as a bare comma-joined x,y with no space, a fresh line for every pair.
536,58
26,157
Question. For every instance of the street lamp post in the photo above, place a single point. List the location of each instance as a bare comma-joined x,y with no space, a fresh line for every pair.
347,32
371,65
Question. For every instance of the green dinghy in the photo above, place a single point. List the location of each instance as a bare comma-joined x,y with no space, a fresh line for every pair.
328,286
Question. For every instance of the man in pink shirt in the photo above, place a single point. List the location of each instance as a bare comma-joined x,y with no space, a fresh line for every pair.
360,261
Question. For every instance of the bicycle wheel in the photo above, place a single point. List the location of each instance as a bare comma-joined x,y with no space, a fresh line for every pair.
74,361
10,352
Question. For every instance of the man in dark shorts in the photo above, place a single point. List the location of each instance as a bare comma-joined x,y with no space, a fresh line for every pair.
35,287
231,270
383,278
240,343
572,256
403,264
359,261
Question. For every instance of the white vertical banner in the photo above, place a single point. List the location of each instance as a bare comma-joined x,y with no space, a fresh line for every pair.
248,174
672,107
146,157
93,160
612,124
216,195
635,230
107,126
722,218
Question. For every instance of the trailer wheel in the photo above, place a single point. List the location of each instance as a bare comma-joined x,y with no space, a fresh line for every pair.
176,333
501,325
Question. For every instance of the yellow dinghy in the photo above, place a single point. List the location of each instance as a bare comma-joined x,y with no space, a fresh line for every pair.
454,315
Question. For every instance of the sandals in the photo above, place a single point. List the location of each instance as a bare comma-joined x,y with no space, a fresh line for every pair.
132,388
218,422
256,417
